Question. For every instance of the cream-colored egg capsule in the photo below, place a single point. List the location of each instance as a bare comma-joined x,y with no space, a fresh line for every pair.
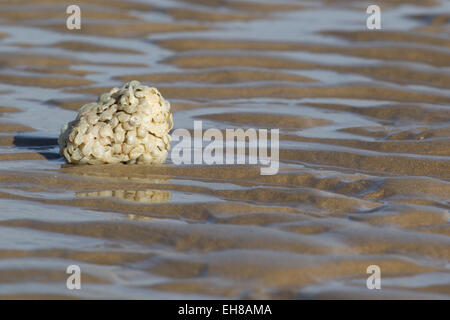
129,125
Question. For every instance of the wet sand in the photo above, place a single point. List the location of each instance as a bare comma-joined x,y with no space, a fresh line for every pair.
364,151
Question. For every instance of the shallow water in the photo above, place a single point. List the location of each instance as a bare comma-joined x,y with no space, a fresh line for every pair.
364,135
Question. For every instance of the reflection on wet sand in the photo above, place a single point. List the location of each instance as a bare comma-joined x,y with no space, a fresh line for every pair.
141,196
364,138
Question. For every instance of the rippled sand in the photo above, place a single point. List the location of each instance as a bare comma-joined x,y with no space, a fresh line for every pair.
364,135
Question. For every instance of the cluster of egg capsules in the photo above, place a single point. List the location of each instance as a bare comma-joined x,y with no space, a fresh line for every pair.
127,125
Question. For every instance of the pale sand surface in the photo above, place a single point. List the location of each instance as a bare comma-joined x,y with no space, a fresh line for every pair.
365,151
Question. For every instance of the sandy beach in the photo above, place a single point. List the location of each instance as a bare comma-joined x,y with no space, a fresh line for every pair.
364,176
